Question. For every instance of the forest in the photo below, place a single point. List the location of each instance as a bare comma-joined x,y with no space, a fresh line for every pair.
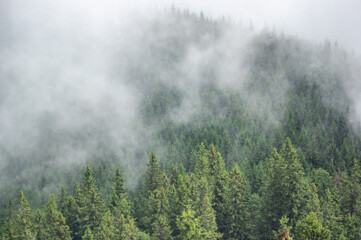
233,134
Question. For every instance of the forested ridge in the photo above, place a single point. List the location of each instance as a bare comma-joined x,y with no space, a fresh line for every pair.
235,134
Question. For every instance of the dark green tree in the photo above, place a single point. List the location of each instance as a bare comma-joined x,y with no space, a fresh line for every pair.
53,223
89,205
283,232
23,223
152,174
219,187
237,206
189,225
283,192
161,229
310,228
107,229
88,235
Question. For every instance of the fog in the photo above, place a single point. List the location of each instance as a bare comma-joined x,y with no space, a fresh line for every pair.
74,75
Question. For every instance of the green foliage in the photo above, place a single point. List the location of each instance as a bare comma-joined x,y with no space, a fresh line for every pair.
310,228
89,205
107,229
88,235
189,225
161,229
283,190
152,174
53,223
23,222
237,203
283,232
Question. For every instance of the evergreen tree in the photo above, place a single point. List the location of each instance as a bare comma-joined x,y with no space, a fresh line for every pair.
70,212
293,183
310,228
88,235
107,229
23,223
202,168
219,185
53,223
189,225
161,229
131,232
62,199
89,204
180,196
207,220
283,192
119,201
284,232
237,206
152,174
157,204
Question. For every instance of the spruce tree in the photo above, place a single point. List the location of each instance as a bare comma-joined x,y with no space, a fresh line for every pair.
131,231
157,204
152,174
53,223
310,228
89,204
70,212
161,228
107,229
119,200
237,206
283,191
23,223
88,235
188,225
207,220
219,186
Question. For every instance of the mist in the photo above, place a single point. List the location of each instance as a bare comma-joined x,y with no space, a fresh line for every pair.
75,80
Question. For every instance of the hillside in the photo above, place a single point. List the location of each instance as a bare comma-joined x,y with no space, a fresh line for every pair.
218,130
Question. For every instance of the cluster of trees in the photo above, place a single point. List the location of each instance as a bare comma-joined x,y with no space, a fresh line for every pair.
292,91
210,202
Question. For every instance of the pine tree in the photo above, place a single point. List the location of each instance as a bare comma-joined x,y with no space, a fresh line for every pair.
131,231
202,168
219,186
237,206
157,204
161,229
273,195
180,196
152,174
283,232
293,183
283,191
70,212
310,228
88,235
62,199
119,201
107,229
189,225
53,223
23,223
207,220
89,204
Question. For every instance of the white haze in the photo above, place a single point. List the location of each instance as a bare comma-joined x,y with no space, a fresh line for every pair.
64,62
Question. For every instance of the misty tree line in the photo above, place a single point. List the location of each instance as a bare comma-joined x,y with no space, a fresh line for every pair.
263,186
209,202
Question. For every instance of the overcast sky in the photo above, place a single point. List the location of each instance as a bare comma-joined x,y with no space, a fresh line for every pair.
336,20
317,20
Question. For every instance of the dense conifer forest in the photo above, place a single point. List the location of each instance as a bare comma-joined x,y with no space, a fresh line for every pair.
234,134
